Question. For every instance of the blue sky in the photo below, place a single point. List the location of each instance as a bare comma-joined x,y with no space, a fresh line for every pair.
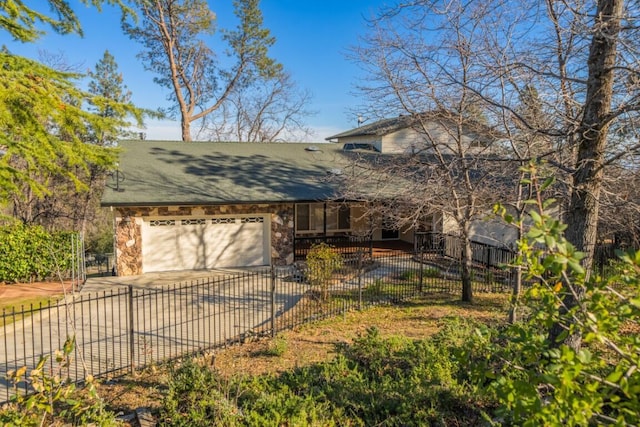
312,37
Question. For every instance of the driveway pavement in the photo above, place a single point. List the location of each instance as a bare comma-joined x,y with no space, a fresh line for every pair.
116,329
148,280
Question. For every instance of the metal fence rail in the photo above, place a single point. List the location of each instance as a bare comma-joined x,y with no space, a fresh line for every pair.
345,245
127,328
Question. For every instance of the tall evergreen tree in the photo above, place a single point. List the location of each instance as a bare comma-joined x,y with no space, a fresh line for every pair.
43,125
108,85
173,32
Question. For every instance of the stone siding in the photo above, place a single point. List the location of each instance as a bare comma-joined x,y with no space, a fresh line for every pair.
129,229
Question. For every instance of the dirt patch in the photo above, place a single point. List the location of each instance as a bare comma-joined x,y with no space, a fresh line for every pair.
14,293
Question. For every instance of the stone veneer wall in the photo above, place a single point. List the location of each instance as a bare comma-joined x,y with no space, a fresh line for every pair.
129,237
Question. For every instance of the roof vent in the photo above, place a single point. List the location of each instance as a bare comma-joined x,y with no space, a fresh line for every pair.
312,148
335,171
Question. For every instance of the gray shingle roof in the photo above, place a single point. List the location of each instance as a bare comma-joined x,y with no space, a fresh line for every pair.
379,128
188,173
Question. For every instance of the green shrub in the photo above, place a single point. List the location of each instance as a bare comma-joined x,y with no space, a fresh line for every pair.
196,396
389,381
540,378
432,272
100,242
277,346
29,253
322,261
375,290
410,275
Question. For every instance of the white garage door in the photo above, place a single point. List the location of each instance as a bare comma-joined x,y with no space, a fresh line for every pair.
202,243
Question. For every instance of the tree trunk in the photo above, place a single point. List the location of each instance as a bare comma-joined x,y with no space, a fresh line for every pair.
516,285
465,275
515,296
186,129
582,217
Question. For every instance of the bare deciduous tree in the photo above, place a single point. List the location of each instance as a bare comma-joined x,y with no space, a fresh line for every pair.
273,109
448,169
581,58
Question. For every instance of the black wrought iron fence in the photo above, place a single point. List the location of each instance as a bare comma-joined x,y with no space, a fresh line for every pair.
451,246
126,328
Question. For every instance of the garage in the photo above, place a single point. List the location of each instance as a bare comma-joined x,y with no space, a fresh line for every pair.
204,243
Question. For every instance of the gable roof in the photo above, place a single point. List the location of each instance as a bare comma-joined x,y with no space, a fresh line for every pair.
379,128
390,125
189,173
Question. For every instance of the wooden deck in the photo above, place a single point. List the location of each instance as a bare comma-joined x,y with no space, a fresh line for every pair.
387,247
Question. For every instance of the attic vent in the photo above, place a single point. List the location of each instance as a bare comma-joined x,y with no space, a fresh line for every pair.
335,171
312,148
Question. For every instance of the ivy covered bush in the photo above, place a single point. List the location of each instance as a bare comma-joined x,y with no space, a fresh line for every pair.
30,253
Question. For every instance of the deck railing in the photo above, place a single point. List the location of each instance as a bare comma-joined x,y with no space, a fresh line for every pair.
346,245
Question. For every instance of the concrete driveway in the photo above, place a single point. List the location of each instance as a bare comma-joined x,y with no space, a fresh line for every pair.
148,280
117,328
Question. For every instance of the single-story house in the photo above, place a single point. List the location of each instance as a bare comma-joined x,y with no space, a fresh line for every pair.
202,205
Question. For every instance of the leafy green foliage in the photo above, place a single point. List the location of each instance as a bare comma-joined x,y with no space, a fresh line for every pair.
322,261
53,398
101,241
21,20
373,381
251,42
29,253
196,397
44,128
277,346
112,97
537,378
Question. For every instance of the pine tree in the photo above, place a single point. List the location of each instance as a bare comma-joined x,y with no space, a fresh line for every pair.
173,33
43,122
111,93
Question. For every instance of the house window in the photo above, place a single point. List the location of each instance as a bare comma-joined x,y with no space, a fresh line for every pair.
303,219
339,218
310,218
